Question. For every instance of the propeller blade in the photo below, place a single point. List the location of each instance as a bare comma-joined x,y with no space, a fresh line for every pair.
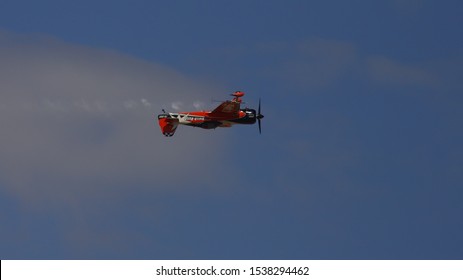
259,116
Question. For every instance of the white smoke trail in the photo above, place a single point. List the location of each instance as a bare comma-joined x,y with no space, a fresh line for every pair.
198,105
176,106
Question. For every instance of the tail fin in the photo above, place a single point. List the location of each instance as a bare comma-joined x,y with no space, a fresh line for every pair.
168,125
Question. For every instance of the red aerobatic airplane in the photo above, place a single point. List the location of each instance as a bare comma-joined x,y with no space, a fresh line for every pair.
225,115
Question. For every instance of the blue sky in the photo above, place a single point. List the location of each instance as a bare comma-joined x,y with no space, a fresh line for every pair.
360,155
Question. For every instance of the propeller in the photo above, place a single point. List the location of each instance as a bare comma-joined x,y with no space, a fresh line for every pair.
259,116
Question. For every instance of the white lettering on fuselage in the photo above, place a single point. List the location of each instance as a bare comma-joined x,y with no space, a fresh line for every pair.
187,118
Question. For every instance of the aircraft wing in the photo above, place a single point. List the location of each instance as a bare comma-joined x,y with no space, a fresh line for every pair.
227,108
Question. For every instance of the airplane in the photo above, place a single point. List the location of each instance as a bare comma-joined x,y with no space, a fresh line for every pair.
228,113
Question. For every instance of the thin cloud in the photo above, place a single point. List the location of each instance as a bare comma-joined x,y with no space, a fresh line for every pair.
76,120
407,7
386,70
313,63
